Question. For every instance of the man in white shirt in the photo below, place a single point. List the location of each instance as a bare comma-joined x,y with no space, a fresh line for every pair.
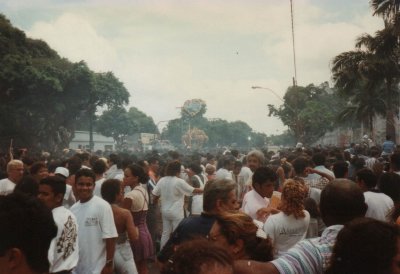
97,232
115,167
15,172
172,190
254,159
99,167
379,204
264,179
63,253
224,172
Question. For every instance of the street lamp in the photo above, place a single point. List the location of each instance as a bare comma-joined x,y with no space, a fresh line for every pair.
279,97
297,124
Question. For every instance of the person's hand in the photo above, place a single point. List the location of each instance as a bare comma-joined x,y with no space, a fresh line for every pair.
309,170
263,213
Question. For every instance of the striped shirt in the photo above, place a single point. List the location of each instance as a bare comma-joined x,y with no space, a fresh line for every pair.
309,256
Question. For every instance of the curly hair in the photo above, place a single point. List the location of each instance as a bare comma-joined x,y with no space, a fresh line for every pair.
235,226
292,199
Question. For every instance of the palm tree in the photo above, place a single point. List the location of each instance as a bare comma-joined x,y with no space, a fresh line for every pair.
362,106
387,9
373,66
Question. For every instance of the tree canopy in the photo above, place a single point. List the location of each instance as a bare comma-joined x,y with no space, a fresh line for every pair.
44,95
309,112
219,132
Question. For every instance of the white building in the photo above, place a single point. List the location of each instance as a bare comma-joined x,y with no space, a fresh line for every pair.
81,141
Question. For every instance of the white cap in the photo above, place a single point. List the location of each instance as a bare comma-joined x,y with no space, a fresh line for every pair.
62,171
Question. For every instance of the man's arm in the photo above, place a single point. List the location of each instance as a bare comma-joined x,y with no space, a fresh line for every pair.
110,249
322,174
253,267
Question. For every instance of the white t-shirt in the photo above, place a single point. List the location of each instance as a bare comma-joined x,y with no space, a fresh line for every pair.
379,205
97,187
314,193
6,187
252,202
223,173
172,191
285,231
64,251
96,224
69,197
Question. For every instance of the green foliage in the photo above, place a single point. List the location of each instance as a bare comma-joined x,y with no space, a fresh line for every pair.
286,139
220,132
143,123
368,77
119,124
43,96
309,111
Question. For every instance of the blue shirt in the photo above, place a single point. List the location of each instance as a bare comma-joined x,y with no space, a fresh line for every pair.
388,147
187,229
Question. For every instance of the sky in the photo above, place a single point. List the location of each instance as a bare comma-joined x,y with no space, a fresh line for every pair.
169,51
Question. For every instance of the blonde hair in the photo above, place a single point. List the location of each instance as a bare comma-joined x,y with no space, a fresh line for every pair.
13,164
292,201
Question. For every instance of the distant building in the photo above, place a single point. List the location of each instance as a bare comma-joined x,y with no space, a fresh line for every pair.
141,141
101,142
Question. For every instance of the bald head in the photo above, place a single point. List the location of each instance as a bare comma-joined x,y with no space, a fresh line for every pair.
342,201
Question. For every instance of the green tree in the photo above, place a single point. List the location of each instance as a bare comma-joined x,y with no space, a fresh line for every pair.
219,132
43,95
309,112
373,70
143,123
117,124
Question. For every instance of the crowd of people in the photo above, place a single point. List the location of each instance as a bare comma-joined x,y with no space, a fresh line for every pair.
301,210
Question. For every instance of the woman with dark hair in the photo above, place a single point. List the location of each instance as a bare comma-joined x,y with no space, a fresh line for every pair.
39,171
199,257
172,189
137,202
242,237
113,192
290,225
366,246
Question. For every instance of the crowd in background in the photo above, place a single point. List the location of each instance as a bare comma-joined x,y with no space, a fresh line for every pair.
299,210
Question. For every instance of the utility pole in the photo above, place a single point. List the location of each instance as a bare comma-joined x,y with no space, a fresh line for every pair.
293,44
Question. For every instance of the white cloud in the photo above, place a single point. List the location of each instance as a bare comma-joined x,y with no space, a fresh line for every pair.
169,51
75,38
